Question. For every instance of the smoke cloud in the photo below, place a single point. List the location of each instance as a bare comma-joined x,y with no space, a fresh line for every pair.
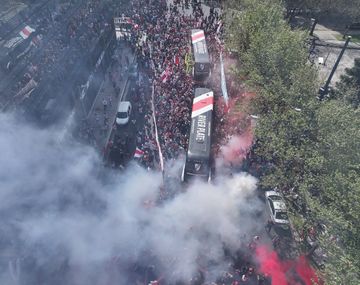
237,148
67,220
285,272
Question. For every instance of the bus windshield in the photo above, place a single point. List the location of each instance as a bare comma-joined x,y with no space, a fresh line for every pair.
197,168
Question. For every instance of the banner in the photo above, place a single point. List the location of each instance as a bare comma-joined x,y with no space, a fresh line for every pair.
156,130
223,81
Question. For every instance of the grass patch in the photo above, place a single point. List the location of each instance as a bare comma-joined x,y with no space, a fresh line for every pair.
354,38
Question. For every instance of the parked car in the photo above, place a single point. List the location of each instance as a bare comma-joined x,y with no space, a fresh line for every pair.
123,113
277,208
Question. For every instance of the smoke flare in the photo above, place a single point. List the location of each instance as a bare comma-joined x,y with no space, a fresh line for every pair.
289,272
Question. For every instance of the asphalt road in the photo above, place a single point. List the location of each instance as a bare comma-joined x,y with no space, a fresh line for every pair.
8,78
125,137
101,118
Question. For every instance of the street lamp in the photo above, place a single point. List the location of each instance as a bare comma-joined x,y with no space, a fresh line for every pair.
323,91
314,22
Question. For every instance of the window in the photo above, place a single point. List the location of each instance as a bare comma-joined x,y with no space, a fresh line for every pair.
271,206
275,198
197,167
122,115
281,216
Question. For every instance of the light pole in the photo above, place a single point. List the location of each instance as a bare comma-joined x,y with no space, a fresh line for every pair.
314,22
325,89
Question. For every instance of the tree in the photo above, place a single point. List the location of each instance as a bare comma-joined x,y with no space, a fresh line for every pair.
305,144
348,89
241,27
339,142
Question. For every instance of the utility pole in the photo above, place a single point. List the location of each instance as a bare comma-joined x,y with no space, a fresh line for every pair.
325,89
314,22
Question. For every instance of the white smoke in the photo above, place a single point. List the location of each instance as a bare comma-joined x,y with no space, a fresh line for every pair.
81,226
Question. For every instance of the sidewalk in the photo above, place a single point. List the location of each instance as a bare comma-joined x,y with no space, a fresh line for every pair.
103,112
332,37
328,46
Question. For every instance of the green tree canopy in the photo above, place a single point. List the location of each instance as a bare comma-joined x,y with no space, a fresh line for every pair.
302,142
348,89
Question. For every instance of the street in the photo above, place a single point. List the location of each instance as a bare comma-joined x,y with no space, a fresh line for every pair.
92,171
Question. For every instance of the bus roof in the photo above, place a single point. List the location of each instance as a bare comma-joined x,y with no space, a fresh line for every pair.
201,124
200,50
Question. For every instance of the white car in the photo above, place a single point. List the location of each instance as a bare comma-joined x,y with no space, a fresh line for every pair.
277,208
123,113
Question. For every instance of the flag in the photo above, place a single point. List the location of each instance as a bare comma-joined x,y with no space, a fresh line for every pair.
176,59
138,153
219,23
165,75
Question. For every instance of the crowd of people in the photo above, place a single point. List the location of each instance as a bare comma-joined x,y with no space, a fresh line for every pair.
242,268
62,38
161,36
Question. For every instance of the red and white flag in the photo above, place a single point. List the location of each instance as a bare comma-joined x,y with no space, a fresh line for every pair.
138,153
165,75
26,32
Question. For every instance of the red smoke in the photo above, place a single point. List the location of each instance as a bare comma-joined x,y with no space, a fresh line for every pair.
237,127
294,272
237,147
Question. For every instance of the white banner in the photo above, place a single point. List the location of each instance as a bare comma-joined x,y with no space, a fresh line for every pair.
156,130
223,81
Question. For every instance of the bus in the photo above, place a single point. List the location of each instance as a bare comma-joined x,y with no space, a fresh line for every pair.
201,58
198,157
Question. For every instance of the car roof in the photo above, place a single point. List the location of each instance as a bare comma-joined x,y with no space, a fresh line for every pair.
123,106
279,205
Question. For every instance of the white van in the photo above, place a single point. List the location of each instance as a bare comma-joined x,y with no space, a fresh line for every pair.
123,113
